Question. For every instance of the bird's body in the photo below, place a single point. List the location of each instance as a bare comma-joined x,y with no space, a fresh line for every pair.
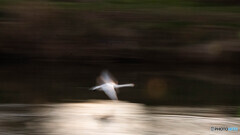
109,86
109,90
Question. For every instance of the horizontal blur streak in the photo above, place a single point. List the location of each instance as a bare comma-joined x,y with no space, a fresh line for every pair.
107,117
179,31
175,51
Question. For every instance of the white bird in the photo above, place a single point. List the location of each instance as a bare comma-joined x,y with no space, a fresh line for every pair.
109,85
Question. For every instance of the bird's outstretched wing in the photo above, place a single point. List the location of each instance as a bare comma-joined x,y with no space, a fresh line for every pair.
110,92
96,87
106,77
124,85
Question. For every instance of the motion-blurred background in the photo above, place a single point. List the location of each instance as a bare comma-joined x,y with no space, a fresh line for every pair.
177,52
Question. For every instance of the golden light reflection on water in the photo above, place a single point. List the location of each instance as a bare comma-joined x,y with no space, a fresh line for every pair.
99,117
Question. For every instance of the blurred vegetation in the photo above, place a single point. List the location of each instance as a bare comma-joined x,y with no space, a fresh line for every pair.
149,33
60,29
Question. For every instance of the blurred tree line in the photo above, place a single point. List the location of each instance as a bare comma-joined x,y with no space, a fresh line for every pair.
121,30
46,44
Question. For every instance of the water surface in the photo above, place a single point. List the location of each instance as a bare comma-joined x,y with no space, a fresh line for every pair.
103,117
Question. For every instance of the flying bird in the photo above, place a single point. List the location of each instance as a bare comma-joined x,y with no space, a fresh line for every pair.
109,85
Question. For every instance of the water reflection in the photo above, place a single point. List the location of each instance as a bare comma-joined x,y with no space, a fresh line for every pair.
108,117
